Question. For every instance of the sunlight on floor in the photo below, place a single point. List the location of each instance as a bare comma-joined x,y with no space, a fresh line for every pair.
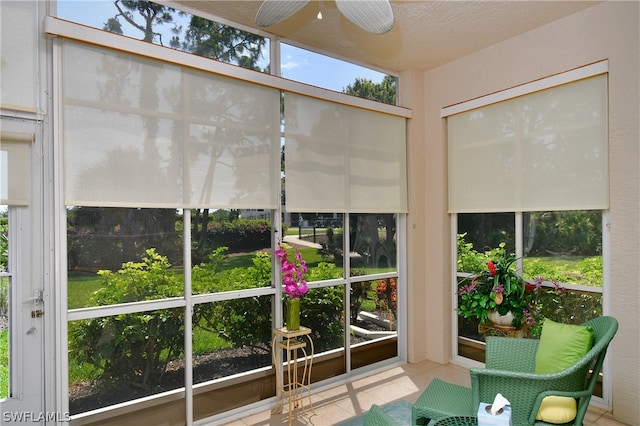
344,402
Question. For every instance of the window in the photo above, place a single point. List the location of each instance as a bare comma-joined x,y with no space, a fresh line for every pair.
172,184
518,181
176,29
170,27
563,248
329,73
20,48
529,152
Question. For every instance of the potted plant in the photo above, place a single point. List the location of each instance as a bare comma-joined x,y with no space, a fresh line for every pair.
294,284
497,294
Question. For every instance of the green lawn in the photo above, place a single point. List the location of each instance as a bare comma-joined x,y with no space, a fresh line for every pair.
82,285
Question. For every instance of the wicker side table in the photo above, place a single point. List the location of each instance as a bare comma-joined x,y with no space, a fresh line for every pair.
491,329
457,421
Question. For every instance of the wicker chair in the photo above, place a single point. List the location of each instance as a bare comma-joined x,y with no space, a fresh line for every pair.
510,364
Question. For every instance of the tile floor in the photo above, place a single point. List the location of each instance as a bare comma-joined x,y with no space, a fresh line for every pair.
343,402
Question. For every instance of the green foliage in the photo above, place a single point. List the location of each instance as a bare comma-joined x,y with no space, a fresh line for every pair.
240,234
137,347
207,277
477,295
246,321
569,232
81,286
495,288
202,37
472,261
488,230
4,363
323,271
567,306
359,293
331,249
586,271
132,347
4,297
101,237
217,41
150,13
386,91
322,309
4,242
590,271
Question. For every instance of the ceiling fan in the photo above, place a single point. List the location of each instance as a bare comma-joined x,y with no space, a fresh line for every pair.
374,16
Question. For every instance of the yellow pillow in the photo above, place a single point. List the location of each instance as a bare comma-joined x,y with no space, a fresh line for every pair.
557,409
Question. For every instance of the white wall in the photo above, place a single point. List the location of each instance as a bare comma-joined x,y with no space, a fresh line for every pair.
608,30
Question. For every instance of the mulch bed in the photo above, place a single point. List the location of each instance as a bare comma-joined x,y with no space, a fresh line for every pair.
86,396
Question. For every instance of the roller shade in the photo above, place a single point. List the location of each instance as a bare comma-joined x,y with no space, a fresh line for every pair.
15,155
19,47
143,133
543,151
343,159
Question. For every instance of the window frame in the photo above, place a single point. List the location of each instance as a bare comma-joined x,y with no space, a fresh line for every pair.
580,73
57,27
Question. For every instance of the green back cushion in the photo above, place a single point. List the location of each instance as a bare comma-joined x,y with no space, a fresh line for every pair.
561,346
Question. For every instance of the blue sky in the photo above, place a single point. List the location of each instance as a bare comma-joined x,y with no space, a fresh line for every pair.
297,64
319,70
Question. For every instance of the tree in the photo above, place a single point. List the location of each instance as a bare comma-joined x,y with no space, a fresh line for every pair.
382,92
151,14
227,44
202,37
133,347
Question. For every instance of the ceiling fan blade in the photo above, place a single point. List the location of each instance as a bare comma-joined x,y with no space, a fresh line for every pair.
273,11
374,16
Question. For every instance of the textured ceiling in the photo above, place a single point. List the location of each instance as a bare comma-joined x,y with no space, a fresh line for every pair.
426,34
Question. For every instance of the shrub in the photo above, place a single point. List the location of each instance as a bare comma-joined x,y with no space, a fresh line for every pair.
4,297
240,234
4,243
138,347
386,295
132,347
246,321
322,309
359,292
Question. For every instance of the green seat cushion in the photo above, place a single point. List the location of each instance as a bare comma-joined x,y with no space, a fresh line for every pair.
557,409
561,346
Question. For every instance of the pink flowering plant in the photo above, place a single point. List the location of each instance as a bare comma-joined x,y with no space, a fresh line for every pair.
293,272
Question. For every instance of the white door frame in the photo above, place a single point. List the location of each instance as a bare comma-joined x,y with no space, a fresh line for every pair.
29,298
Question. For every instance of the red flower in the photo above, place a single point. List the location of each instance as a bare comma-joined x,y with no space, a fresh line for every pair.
492,268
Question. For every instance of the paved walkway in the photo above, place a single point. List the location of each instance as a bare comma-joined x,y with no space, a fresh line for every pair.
295,241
